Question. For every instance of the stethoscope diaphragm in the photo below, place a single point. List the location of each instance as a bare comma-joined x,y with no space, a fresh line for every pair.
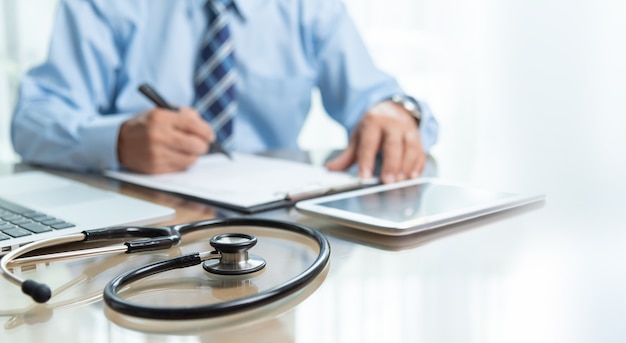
232,256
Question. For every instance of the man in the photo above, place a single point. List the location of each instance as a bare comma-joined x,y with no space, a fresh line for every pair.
81,109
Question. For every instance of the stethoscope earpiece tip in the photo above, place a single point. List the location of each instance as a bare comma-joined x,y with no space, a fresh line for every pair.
40,292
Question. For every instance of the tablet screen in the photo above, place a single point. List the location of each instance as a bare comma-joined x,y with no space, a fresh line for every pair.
415,201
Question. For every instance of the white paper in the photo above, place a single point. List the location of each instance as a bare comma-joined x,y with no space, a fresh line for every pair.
244,181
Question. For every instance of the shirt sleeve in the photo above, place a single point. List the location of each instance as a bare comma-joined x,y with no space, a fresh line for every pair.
349,81
61,116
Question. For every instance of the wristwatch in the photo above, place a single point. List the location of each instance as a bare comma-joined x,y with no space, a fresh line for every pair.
409,104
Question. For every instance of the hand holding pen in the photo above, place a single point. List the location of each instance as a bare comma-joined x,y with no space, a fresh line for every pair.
162,140
158,100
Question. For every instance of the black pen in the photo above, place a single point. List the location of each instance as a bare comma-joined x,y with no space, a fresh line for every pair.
158,100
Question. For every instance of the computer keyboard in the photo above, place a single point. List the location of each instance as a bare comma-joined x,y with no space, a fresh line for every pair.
18,221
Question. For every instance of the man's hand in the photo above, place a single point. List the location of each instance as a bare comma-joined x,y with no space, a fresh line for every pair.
162,141
388,128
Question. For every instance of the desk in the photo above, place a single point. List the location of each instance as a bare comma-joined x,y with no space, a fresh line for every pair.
552,272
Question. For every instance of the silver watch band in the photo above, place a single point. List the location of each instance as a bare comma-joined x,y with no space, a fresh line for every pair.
410,104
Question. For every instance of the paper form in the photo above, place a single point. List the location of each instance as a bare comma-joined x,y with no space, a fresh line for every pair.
245,181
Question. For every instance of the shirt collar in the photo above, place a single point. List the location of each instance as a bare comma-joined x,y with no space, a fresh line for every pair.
245,8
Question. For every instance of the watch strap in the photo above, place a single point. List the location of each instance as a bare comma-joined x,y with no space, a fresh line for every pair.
409,104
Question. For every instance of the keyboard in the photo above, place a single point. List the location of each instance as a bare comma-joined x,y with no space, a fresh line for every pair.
19,221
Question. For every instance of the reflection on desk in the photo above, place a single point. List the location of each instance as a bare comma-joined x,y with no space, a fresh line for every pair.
529,274
396,243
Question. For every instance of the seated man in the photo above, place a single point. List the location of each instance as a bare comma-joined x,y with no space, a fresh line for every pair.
240,72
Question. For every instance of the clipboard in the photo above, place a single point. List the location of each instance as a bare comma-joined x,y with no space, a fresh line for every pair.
247,183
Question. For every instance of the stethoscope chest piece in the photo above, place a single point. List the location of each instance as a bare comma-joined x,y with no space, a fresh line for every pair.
231,256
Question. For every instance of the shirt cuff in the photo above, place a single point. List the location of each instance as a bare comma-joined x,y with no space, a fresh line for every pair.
429,127
100,141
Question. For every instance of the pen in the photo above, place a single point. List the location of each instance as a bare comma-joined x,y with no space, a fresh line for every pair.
158,100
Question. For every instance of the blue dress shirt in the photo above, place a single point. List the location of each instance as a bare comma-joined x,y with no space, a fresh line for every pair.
71,107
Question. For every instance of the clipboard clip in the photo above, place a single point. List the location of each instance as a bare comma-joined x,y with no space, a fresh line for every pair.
316,190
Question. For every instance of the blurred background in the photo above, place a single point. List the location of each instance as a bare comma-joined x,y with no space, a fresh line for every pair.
488,69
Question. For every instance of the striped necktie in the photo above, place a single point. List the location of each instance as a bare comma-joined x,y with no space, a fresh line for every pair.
215,74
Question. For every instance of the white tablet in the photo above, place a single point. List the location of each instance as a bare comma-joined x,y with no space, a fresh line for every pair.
410,206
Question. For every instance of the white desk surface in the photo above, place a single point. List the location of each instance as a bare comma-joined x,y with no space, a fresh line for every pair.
551,272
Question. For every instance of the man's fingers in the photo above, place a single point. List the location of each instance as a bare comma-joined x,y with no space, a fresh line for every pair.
369,141
177,161
412,155
192,123
393,152
186,143
183,131
345,159
165,160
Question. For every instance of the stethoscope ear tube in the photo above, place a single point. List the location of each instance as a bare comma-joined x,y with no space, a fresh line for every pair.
117,303
154,233
40,292
158,238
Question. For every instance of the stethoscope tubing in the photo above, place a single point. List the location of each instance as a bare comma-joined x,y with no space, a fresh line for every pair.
117,303
10,257
145,238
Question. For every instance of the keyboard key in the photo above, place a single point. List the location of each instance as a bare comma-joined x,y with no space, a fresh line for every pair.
12,207
17,232
6,226
36,227
63,225
20,221
35,215
10,216
51,221
44,218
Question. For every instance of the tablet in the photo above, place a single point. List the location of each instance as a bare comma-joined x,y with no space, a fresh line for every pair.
411,206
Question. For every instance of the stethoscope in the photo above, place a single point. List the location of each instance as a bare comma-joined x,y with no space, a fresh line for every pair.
231,257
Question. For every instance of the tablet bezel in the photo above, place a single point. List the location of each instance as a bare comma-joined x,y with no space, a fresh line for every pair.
313,208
